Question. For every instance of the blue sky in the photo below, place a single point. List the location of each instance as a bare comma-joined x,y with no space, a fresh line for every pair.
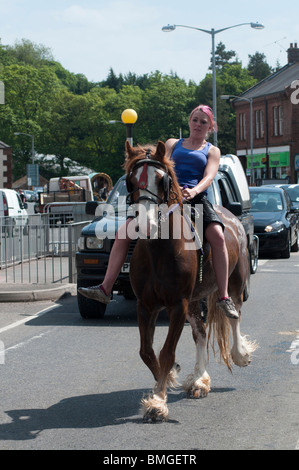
91,36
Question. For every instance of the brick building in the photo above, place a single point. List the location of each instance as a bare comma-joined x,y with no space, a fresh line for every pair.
275,118
5,166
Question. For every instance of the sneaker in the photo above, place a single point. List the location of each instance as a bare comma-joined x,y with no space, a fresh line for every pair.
228,307
95,293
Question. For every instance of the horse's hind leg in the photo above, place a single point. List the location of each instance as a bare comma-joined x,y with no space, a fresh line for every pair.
155,407
242,348
197,385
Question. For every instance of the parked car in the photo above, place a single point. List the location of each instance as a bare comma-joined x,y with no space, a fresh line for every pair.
229,189
13,213
275,220
293,192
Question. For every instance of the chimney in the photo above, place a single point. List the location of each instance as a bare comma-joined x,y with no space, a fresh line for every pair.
293,53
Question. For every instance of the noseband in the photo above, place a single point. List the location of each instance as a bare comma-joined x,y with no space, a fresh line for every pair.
143,181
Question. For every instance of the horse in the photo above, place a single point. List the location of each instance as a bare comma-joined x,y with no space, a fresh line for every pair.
165,274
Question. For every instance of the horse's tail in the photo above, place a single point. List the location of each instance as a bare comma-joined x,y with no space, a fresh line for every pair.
219,330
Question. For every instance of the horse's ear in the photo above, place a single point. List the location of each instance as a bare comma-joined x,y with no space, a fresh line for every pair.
161,150
131,152
129,148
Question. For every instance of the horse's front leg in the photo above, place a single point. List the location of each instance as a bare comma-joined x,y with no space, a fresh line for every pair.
147,322
155,407
197,384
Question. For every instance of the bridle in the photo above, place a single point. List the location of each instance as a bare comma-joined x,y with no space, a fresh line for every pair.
143,181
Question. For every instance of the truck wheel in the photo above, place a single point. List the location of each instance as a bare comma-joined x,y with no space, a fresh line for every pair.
89,308
247,285
254,255
295,247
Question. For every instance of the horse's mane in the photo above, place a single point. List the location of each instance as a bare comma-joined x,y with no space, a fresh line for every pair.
140,152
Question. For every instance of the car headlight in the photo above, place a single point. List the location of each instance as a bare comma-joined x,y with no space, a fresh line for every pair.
94,243
275,227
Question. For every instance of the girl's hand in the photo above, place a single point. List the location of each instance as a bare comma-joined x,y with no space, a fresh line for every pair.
189,193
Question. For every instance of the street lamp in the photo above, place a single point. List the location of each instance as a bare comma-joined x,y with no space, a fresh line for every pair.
227,97
212,32
129,117
32,148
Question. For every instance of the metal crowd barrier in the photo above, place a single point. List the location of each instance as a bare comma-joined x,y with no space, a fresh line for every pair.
37,251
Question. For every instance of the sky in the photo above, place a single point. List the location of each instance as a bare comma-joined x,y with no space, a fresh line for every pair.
92,36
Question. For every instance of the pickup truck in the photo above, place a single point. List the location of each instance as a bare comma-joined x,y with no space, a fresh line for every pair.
66,194
229,189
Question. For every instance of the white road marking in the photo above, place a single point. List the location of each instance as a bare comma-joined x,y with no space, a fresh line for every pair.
261,262
27,319
24,343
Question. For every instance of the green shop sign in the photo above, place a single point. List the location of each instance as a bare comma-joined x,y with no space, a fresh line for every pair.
277,159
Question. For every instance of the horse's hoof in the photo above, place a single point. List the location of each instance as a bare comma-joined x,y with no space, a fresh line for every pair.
153,416
198,393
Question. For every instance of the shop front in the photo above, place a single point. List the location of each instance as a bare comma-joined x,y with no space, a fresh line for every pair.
271,163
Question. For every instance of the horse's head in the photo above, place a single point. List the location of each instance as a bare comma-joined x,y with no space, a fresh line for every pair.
150,181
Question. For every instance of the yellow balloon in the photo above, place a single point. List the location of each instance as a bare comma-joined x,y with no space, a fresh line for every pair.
129,116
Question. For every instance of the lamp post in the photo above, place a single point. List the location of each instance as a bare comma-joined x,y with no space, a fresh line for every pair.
212,32
227,97
32,148
129,117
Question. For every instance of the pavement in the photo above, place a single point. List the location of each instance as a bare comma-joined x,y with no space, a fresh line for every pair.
18,292
15,285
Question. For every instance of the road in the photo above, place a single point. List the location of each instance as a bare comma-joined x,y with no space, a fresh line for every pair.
68,383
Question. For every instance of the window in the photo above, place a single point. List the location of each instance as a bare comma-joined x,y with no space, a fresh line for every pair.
277,120
280,120
242,123
259,124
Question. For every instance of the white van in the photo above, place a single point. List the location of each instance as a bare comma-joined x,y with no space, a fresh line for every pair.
12,212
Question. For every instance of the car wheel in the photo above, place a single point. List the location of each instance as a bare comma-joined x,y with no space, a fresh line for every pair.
287,252
88,308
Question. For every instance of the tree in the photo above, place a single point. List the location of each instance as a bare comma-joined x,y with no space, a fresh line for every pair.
258,67
222,56
29,53
28,94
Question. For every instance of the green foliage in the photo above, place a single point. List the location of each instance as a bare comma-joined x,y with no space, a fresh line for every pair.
69,116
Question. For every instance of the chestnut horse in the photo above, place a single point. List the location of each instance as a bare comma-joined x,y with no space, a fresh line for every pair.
164,273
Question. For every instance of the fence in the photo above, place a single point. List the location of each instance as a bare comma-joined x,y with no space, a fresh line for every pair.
39,249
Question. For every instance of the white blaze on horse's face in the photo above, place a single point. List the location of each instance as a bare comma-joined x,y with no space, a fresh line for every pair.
148,202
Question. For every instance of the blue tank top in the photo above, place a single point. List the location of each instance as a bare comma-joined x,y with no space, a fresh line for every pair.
190,164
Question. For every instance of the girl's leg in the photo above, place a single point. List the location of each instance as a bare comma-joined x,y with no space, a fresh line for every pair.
215,236
118,255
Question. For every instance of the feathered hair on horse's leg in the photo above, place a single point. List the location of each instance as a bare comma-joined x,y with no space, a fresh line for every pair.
219,330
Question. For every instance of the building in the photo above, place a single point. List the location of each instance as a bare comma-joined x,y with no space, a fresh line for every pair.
5,165
275,124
